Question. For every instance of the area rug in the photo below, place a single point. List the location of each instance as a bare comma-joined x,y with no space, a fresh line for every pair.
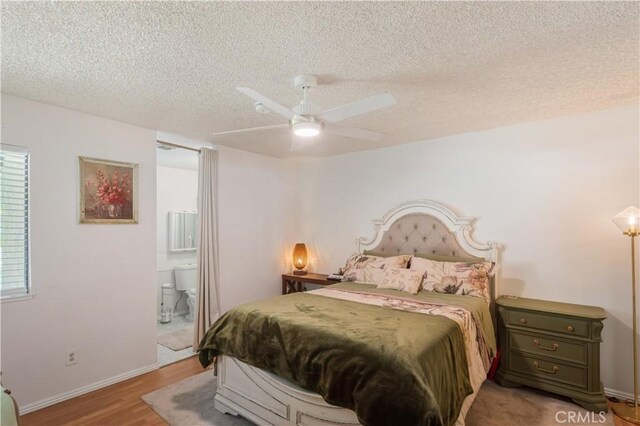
177,339
190,403
498,406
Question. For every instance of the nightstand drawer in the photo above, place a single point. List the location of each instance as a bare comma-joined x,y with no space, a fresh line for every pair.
548,346
549,370
551,323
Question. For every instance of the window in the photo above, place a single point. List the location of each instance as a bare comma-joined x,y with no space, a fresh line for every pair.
14,221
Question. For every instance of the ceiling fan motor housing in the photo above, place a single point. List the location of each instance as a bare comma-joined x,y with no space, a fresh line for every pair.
305,81
304,108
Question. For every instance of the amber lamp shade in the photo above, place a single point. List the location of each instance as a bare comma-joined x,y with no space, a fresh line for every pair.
299,259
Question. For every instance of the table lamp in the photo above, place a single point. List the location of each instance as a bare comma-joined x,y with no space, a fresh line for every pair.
299,259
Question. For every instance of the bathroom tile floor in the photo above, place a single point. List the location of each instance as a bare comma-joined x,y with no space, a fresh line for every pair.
176,323
166,355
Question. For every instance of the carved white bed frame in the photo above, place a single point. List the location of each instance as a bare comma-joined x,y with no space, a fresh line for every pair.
267,399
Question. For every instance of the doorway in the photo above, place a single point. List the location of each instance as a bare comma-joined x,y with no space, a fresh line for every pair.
176,198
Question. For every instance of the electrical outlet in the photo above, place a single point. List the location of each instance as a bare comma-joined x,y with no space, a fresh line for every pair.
72,357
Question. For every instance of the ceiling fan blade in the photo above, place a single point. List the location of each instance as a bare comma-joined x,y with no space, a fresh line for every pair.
352,132
360,107
272,105
252,129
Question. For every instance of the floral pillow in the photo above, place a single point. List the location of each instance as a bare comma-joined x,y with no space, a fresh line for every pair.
401,279
366,275
465,278
366,269
358,261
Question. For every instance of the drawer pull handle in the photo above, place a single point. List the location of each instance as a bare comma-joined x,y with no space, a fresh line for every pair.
544,370
546,348
523,321
570,328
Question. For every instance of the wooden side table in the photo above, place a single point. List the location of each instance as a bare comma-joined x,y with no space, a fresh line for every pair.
294,283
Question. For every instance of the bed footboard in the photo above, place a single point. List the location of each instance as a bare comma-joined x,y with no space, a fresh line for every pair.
266,399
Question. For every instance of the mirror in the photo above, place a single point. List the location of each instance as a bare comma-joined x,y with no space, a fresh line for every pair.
182,231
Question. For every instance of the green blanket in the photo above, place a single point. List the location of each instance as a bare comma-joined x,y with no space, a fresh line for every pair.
389,366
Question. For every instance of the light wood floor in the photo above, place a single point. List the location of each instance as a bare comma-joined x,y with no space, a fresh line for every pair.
118,404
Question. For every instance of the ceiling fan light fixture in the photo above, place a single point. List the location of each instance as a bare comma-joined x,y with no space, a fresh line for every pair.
306,129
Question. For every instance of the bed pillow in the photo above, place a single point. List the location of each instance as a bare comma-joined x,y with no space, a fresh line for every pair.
401,279
361,260
465,278
365,275
366,269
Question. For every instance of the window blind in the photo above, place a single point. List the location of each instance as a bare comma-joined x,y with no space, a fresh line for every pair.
14,220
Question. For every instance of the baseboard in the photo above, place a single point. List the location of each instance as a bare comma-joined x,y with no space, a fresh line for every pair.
28,408
618,394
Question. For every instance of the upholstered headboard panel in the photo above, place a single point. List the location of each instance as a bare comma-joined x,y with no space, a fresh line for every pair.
419,233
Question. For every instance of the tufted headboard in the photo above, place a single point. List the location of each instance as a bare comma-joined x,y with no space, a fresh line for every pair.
418,233
428,227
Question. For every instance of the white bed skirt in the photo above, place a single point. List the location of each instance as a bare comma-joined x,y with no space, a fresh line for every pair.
266,399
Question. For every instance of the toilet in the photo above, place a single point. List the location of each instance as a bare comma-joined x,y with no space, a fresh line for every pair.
186,280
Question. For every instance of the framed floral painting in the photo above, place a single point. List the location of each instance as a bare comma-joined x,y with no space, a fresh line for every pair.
108,191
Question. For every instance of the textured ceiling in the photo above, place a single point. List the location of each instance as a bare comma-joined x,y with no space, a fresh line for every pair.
453,66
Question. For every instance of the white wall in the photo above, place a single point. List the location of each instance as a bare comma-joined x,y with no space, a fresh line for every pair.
95,284
177,190
258,224
547,190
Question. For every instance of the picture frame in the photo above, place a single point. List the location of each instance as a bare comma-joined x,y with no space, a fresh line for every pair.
108,191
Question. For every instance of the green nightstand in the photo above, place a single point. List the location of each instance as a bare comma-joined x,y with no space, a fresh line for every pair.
552,346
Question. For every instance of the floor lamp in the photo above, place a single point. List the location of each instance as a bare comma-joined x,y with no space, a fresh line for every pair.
628,221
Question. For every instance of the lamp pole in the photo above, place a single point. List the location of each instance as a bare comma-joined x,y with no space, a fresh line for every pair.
623,410
633,233
628,221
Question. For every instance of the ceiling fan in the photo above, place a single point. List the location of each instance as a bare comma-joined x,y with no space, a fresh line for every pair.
306,122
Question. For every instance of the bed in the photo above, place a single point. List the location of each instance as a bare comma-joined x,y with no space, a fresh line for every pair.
377,356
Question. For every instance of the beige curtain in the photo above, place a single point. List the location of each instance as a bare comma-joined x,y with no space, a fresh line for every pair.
207,254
